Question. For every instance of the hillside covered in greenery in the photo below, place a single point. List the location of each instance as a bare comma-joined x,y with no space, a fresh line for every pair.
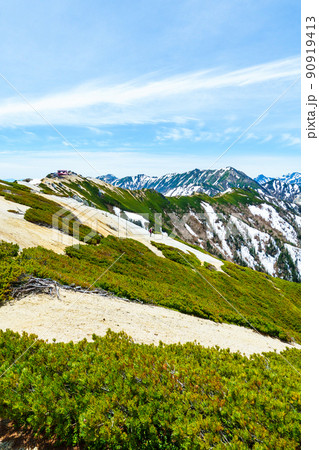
179,282
223,225
115,394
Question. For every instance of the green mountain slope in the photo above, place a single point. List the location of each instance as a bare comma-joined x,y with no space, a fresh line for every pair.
42,211
270,305
240,225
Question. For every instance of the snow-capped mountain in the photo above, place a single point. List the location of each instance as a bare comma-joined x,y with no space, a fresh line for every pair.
262,179
210,182
287,187
292,178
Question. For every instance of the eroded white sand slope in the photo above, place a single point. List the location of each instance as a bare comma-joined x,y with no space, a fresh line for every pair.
13,228
76,316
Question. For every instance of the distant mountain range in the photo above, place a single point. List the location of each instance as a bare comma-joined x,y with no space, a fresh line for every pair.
287,187
212,182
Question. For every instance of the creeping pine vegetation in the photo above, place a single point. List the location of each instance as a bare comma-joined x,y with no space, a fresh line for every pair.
115,394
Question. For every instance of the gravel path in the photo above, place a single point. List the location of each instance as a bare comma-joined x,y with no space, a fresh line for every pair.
77,316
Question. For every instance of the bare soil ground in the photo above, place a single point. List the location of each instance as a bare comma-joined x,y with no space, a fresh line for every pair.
15,438
78,315
13,228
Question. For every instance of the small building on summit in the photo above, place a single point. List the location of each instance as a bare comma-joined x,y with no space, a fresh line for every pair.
62,173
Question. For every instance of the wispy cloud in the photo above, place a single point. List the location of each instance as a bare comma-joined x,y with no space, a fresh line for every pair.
99,131
29,133
232,130
267,139
288,139
177,134
250,136
140,100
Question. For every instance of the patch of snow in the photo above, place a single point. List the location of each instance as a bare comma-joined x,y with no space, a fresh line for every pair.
246,256
188,228
268,262
259,240
217,226
269,213
137,218
228,191
298,220
117,211
183,190
35,181
295,253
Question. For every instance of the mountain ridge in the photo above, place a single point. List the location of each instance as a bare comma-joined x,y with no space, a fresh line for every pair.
287,187
211,182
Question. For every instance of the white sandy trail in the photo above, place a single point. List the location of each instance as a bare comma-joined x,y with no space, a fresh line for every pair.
13,228
77,316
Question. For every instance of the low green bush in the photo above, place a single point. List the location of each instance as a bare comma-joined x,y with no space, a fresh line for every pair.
172,253
8,250
191,289
114,394
10,270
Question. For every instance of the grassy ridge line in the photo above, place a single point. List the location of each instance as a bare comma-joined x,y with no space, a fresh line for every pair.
271,305
112,393
148,201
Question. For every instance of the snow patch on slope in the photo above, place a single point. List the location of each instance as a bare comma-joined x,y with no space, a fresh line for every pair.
254,249
295,253
188,228
183,190
132,217
259,240
269,213
217,227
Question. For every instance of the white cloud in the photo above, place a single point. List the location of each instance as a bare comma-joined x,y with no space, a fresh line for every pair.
267,139
232,130
250,136
177,134
99,131
288,139
29,133
172,99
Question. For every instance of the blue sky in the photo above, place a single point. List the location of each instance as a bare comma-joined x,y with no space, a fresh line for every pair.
148,86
